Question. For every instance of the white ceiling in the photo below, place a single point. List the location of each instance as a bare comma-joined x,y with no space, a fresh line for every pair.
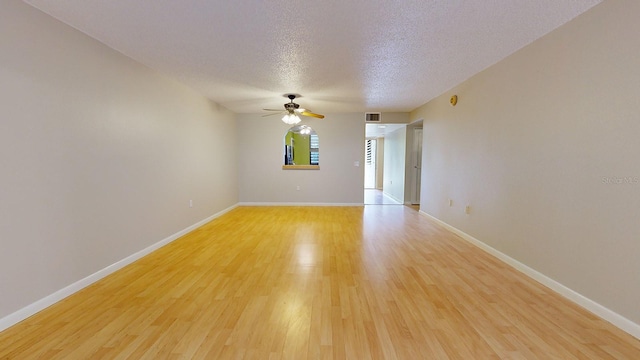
381,130
343,56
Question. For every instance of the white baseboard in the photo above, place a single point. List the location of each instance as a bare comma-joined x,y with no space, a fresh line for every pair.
49,300
590,305
392,197
297,204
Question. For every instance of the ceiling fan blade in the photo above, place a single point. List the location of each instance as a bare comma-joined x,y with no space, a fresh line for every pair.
309,113
272,109
275,113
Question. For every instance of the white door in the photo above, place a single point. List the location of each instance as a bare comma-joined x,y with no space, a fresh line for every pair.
416,156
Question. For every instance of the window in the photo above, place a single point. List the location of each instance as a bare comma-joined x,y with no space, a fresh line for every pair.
314,149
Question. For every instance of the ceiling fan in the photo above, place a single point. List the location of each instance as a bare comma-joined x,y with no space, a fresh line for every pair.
292,110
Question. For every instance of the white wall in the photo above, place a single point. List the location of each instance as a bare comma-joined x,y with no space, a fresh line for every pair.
394,163
544,147
379,163
260,152
99,156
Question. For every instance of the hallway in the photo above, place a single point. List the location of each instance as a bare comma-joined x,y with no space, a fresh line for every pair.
377,197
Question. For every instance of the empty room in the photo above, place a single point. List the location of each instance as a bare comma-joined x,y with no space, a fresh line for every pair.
198,179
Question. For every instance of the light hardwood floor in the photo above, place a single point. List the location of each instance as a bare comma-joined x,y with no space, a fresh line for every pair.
375,282
377,197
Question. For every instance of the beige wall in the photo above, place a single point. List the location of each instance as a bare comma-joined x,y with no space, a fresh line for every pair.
394,118
409,171
99,156
262,180
544,147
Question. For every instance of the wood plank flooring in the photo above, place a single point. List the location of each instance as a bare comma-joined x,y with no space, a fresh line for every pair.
375,282
378,197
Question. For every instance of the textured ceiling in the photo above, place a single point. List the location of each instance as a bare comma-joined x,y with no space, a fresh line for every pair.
342,56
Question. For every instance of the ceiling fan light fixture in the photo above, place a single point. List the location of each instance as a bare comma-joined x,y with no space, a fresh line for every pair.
293,111
305,130
291,119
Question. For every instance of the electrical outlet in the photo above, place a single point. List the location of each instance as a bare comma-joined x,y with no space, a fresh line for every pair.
298,187
190,203
467,209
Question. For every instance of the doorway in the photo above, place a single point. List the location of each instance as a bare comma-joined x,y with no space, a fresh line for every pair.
373,174
376,172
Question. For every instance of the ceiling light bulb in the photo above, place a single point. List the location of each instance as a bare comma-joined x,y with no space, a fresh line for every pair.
290,119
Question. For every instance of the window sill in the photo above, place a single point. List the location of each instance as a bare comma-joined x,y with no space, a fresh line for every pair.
300,167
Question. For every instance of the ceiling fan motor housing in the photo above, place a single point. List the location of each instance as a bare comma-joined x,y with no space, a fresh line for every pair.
291,106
